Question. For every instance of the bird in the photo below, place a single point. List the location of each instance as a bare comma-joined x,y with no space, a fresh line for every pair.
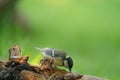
60,57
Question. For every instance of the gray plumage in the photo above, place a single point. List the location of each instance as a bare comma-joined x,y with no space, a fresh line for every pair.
60,57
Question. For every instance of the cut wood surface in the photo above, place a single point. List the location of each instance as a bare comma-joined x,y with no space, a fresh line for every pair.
17,68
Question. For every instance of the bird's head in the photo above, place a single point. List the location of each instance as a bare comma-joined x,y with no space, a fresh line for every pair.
68,62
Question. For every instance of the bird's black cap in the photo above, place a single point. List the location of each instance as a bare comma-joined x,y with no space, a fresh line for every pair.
70,63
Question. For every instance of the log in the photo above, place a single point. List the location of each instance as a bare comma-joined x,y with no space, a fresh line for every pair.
18,68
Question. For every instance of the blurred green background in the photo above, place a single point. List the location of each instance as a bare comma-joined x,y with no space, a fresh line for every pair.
89,30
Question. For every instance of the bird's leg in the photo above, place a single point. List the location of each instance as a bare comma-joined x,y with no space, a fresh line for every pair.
46,64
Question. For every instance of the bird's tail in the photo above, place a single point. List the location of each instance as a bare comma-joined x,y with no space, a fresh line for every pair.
38,48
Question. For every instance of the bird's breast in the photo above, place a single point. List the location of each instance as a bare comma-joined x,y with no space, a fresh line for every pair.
58,61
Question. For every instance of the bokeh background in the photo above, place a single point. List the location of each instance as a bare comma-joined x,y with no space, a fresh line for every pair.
89,30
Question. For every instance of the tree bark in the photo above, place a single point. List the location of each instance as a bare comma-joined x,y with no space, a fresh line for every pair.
17,68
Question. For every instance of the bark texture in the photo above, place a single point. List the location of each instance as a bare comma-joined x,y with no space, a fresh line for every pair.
17,68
